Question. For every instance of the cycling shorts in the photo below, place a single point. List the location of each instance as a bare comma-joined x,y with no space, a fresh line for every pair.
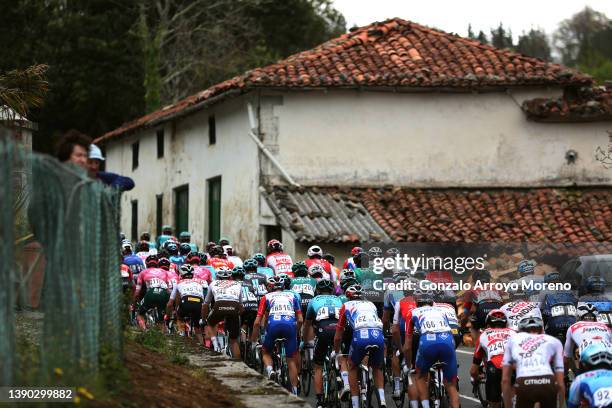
347,338
154,298
557,326
482,310
363,340
434,347
286,328
493,383
228,312
324,341
530,390
190,308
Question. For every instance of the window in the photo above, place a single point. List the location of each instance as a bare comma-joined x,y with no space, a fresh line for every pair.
135,220
212,130
159,208
135,148
214,209
181,209
273,232
160,143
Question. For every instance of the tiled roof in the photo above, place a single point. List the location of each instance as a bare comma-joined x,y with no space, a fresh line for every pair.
323,215
395,53
585,104
576,216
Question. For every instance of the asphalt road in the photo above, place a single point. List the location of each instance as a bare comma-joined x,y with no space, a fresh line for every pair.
464,358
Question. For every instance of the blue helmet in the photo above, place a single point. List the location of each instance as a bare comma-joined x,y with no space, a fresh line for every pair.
526,267
596,354
595,284
552,277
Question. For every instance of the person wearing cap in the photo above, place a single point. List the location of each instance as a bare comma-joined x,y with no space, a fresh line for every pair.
111,179
185,237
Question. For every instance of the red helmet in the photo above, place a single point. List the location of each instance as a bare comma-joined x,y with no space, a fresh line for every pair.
356,250
274,245
496,317
193,258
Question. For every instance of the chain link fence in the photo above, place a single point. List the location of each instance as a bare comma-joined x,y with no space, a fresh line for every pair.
60,292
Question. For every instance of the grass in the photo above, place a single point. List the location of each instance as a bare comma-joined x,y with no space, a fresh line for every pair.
158,342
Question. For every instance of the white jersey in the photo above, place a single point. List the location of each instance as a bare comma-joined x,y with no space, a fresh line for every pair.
430,319
236,260
583,334
280,262
450,313
188,287
533,354
492,344
516,311
224,291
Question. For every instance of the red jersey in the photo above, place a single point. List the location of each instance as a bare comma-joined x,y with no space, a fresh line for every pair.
280,262
316,261
173,277
152,278
219,262
492,345
403,310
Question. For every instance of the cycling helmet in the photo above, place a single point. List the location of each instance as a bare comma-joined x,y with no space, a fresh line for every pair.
186,271
316,271
250,265
552,277
400,276
210,246
171,247
164,263
184,249
142,246
228,250
238,273
315,251
392,252
152,261
354,292
126,246
184,235
329,258
203,258
325,285
344,284
223,242
260,258
526,267
275,283
585,309
193,258
274,245
496,318
423,296
420,274
375,252
167,230
595,284
596,355
216,251
481,275
362,260
356,250
299,269
224,273
347,274
286,280
530,322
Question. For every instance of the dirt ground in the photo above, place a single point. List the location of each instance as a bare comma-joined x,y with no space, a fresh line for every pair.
155,382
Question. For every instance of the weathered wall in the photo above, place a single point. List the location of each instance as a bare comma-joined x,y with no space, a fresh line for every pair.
189,159
426,139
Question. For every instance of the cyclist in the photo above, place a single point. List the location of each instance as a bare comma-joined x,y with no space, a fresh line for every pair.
349,263
302,284
165,236
257,278
135,263
209,248
317,272
277,260
250,300
187,297
229,253
171,272
592,388
587,330
315,257
538,359
146,236
558,308
479,302
366,277
184,250
217,259
185,238
335,272
320,323
282,311
435,344
172,248
127,279
360,317
447,301
261,265
520,307
526,271
593,291
491,346
142,250
152,288
201,274
227,297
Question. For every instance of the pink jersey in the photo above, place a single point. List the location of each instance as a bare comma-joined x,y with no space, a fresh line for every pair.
173,277
492,344
280,262
153,278
202,275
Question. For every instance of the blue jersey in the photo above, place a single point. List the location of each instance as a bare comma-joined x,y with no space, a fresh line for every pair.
324,310
595,387
177,260
264,270
135,263
391,297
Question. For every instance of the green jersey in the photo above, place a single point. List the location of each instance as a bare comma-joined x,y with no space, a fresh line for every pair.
305,288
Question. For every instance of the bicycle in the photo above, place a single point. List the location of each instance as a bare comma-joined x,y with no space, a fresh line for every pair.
331,382
479,389
406,382
305,370
437,392
279,363
365,380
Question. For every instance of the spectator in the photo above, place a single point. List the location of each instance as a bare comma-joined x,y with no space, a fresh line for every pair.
111,179
73,148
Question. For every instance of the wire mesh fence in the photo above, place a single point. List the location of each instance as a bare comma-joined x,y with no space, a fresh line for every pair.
60,298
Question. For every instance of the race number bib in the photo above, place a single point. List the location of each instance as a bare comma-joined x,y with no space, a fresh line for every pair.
282,306
367,320
436,324
494,349
602,397
157,283
324,314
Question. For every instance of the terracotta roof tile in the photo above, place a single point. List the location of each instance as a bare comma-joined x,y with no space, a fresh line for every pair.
394,53
585,104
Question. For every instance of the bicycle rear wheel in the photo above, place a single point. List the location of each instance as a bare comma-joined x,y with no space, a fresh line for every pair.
305,373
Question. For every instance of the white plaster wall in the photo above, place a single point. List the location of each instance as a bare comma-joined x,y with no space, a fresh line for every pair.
190,159
430,140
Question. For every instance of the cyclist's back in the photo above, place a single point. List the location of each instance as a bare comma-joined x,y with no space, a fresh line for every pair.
520,309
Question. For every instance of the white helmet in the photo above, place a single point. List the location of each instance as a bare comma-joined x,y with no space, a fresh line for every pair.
314,250
228,250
